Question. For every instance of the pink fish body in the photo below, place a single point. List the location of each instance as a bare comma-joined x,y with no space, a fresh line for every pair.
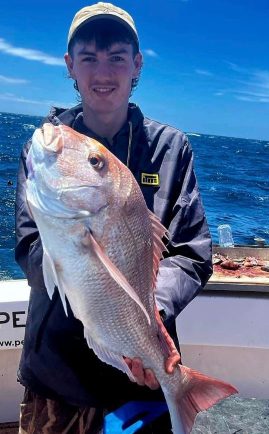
102,248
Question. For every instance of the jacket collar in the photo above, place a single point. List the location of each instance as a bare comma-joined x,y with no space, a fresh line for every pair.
73,117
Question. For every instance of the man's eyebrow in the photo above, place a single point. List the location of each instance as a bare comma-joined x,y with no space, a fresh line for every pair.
119,51
84,51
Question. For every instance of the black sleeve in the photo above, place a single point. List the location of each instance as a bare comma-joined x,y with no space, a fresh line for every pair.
189,263
28,247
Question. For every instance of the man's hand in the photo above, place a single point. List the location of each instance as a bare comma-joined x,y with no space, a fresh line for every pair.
143,377
146,377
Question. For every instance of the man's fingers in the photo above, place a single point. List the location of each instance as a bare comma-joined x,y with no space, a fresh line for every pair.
150,380
172,361
136,367
143,377
138,371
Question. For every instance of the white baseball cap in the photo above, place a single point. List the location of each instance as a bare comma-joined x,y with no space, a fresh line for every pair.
102,10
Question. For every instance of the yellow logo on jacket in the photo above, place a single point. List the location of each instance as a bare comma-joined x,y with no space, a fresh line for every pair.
150,179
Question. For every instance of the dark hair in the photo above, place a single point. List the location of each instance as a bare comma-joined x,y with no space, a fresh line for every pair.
104,33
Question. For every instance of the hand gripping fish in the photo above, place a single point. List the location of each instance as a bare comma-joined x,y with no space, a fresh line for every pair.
102,248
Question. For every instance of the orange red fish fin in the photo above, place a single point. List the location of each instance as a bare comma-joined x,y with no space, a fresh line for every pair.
172,356
116,274
159,231
201,393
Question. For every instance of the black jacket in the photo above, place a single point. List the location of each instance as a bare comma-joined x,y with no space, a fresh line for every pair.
56,361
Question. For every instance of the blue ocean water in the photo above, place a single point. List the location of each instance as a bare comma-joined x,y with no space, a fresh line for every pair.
233,176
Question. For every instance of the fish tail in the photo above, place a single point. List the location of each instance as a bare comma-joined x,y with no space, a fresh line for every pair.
200,393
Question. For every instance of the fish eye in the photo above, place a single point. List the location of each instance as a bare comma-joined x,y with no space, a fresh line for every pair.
96,161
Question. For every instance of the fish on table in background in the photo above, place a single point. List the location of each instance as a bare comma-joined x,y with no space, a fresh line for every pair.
102,248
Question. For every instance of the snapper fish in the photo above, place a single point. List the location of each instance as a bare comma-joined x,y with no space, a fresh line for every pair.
101,249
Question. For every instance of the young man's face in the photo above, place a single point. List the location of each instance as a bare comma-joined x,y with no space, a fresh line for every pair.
104,77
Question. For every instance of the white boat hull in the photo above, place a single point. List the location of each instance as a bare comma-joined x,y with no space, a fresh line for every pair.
227,336
224,334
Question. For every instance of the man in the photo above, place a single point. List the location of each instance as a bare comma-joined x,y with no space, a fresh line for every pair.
68,390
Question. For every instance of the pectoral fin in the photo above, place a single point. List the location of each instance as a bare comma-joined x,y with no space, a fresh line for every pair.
51,279
116,274
48,274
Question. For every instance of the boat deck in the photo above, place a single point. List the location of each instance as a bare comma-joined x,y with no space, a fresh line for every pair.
233,415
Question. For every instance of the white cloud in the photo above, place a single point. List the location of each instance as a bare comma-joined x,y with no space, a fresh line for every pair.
254,94
261,79
256,87
11,80
235,67
249,85
29,54
252,98
204,72
149,52
20,99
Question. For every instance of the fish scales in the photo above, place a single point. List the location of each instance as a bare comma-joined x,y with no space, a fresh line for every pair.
101,249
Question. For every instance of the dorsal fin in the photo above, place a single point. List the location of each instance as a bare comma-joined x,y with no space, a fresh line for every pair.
159,231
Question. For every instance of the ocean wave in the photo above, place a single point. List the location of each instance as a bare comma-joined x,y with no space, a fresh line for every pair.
234,185
262,198
28,127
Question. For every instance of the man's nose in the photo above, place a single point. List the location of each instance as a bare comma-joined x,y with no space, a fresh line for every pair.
103,70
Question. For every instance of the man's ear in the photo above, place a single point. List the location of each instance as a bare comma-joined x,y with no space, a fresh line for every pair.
138,62
69,64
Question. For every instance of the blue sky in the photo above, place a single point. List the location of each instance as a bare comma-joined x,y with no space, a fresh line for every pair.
206,62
